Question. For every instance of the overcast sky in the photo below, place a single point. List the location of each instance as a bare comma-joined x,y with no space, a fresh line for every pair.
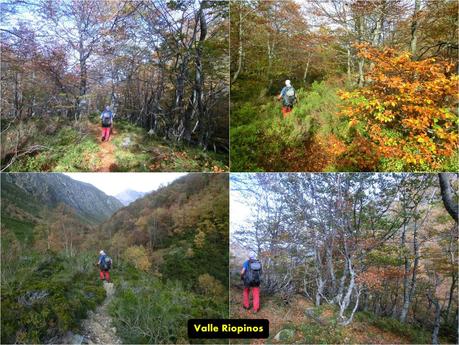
114,183
239,210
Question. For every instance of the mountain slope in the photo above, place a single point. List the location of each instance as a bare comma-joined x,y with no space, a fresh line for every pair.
127,196
51,190
186,219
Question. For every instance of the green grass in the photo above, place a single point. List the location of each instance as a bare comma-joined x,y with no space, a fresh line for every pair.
68,150
260,135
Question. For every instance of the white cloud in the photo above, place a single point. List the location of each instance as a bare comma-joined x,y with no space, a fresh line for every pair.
114,183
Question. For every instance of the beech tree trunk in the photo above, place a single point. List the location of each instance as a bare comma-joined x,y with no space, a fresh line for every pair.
447,196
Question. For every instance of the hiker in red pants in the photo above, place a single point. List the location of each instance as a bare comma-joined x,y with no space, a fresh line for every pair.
104,263
251,275
288,98
107,123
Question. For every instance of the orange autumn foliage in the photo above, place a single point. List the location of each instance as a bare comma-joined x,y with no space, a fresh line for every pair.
374,277
407,110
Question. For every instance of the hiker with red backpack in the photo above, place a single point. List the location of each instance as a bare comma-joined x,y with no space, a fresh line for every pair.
251,275
107,123
288,98
105,264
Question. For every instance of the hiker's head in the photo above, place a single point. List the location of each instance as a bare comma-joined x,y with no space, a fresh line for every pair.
102,252
107,107
288,83
252,256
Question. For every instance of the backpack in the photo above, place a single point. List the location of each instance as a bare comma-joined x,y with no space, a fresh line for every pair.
106,263
289,97
106,118
252,276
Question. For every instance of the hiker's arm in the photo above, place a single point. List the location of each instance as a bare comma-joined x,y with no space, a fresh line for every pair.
242,272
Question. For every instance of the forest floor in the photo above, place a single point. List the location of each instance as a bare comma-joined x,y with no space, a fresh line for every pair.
299,321
77,146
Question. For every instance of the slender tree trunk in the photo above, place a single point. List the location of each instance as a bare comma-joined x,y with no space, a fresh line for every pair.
451,295
339,295
414,28
319,279
412,286
361,61
306,69
349,65
240,49
331,269
344,303
356,305
437,318
203,120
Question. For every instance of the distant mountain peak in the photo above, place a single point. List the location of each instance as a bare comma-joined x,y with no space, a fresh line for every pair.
129,195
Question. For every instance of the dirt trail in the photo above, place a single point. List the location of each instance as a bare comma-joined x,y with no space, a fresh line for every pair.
97,328
107,151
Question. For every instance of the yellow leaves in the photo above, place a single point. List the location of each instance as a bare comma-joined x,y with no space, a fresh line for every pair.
385,116
137,255
199,239
344,95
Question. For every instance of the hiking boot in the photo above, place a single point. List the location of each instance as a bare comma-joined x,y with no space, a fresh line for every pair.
246,308
102,139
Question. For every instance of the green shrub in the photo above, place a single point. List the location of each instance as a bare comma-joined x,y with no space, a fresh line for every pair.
315,333
48,296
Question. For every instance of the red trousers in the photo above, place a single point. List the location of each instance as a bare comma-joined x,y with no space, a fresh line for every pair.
286,111
104,275
255,298
105,133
